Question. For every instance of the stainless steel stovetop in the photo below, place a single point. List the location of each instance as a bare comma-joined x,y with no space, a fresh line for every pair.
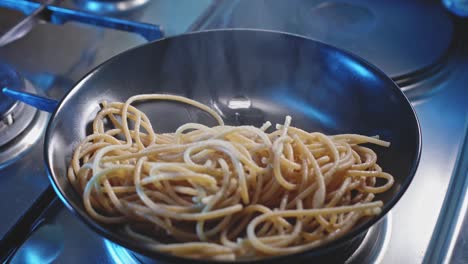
417,43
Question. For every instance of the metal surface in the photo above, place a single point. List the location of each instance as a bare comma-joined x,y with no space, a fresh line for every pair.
23,143
23,27
176,17
23,130
21,183
442,113
59,15
396,36
43,246
15,122
15,117
440,162
459,248
450,238
292,75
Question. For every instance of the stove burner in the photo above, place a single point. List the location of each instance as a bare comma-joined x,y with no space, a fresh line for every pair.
20,124
110,6
371,249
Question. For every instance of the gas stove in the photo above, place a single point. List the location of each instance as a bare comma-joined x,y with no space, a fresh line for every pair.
417,43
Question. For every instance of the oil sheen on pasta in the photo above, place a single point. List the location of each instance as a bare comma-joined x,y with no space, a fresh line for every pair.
224,192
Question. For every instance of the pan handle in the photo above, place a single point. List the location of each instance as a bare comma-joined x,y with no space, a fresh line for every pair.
39,102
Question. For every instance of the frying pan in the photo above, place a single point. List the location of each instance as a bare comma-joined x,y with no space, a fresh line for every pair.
249,77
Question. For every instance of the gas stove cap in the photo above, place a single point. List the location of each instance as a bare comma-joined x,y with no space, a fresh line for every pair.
20,125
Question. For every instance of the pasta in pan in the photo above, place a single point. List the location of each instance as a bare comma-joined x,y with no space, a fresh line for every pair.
224,192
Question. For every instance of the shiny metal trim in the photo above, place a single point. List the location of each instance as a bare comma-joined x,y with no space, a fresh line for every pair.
454,210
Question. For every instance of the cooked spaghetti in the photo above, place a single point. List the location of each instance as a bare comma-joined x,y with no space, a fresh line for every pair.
224,192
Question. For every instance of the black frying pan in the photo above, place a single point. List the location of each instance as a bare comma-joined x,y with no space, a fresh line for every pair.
249,77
